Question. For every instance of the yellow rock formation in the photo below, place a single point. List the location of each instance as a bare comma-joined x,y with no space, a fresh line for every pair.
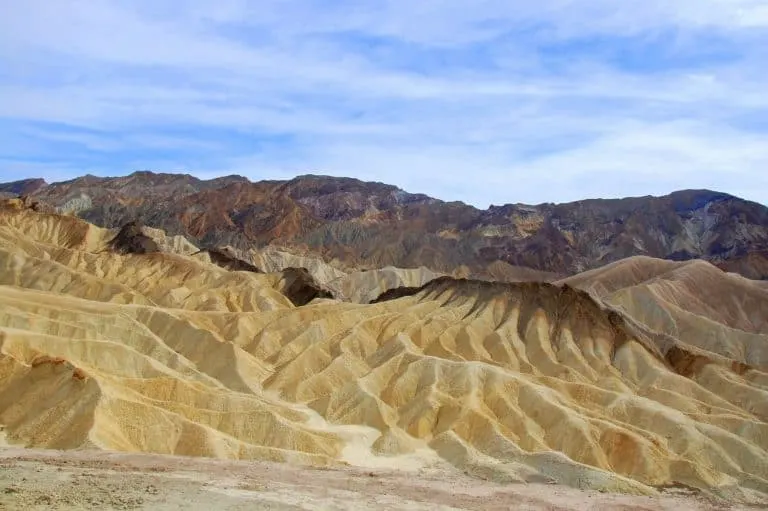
657,374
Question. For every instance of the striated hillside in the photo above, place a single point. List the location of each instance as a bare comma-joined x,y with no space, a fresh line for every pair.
626,384
354,224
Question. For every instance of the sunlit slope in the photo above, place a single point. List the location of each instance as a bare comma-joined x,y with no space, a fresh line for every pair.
167,354
68,256
695,302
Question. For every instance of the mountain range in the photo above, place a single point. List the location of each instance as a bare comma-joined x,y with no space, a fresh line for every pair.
349,223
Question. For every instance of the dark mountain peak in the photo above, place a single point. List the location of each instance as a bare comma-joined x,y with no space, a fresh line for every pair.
325,178
150,178
310,184
691,200
143,173
344,199
84,180
23,187
232,178
90,178
139,177
227,258
702,193
689,197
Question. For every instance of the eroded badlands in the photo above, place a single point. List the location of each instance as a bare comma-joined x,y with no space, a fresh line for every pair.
628,378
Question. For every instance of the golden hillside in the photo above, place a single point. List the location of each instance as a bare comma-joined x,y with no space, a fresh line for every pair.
656,374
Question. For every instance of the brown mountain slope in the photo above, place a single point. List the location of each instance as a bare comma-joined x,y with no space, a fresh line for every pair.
166,353
373,225
21,188
753,264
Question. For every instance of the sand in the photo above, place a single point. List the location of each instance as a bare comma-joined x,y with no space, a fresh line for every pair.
34,479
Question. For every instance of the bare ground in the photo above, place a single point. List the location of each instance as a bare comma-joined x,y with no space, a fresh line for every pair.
37,479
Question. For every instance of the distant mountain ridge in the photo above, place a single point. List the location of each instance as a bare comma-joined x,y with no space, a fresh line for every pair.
23,187
373,225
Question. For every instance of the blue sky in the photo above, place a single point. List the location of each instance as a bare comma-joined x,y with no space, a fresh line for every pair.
489,102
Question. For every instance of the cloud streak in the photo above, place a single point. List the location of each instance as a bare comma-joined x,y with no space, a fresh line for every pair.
502,102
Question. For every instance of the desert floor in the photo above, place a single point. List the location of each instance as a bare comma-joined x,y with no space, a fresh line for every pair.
40,479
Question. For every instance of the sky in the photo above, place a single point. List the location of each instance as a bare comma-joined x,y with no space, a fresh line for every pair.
488,102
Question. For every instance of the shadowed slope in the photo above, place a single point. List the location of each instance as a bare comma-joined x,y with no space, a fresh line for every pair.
226,259
131,240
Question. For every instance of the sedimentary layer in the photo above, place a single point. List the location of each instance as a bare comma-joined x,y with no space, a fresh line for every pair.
607,381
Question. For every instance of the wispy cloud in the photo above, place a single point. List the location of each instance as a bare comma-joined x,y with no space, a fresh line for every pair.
490,103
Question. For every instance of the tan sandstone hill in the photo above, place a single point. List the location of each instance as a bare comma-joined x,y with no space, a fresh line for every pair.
655,375
692,301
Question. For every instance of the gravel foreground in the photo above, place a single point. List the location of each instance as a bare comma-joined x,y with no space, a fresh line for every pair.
39,479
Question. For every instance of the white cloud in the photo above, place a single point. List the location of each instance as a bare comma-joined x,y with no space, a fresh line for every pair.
435,96
633,161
